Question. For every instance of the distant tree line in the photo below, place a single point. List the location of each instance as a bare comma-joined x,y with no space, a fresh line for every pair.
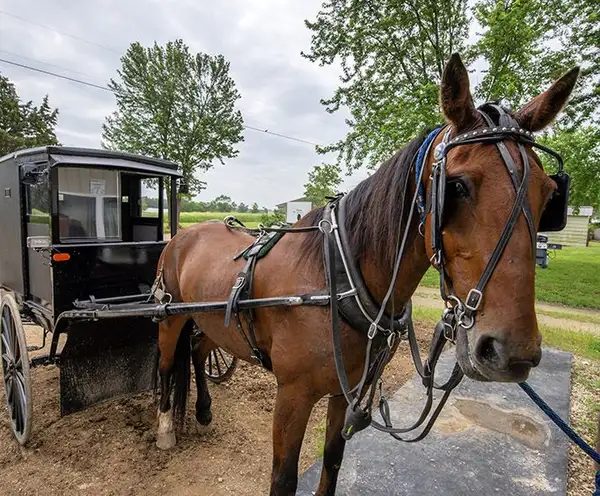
222,203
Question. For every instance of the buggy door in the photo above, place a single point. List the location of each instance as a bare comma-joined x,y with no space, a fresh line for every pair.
37,233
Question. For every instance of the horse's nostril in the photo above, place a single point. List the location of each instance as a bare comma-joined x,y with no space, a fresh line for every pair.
486,349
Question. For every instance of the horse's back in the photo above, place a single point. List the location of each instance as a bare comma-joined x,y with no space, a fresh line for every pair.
198,261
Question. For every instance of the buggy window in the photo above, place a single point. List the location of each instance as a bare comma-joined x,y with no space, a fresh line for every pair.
89,205
38,202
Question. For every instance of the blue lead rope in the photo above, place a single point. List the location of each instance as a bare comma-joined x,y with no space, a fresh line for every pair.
576,438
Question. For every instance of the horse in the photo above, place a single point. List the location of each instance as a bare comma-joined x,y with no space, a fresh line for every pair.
502,343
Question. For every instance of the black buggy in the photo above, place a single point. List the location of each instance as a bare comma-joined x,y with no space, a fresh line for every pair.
74,233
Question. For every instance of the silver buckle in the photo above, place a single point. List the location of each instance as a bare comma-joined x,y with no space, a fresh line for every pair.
372,330
479,297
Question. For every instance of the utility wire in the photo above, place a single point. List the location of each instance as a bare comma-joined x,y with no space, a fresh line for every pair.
60,32
105,88
45,63
61,76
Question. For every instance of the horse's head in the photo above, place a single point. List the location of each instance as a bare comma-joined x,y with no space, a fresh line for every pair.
499,339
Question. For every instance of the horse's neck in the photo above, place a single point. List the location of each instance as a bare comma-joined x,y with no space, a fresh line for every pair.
377,273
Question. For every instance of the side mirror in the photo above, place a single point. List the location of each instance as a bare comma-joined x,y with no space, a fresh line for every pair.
32,174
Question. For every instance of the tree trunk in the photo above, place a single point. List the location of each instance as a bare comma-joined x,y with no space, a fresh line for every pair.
178,211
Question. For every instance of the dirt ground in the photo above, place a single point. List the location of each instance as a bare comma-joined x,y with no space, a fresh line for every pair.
109,449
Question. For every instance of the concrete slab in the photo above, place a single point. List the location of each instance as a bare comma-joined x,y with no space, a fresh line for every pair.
491,439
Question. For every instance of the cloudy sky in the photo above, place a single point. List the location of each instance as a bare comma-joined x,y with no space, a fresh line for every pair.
261,38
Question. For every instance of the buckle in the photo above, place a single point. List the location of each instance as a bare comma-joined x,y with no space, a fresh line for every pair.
372,330
473,300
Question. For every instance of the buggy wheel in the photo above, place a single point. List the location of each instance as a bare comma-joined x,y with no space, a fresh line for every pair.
15,368
219,366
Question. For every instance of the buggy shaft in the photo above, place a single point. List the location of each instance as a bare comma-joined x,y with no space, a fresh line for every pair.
167,309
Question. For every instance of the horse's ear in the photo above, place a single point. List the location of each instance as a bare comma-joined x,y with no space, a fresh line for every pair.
455,96
544,108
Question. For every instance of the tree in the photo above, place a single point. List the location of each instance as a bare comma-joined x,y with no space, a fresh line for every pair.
515,44
221,203
322,182
392,56
175,105
23,125
255,208
242,208
584,41
580,148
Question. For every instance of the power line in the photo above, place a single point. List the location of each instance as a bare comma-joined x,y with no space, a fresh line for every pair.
60,32
61,76
105,88
281,135
44,63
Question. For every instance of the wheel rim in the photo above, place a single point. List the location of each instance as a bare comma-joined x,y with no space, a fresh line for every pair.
14,375
218,364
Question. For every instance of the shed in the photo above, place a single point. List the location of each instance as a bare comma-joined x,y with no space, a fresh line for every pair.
575,232
294,210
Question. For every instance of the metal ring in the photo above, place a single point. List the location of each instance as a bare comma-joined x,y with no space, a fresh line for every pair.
468,324
321,223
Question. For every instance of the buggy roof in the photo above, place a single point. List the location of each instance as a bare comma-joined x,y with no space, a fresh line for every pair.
92,157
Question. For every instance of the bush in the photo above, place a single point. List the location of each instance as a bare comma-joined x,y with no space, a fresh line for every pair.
276,218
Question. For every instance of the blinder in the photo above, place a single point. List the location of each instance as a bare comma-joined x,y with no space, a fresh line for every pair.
554,216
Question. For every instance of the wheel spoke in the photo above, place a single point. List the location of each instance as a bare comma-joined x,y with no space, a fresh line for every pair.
5,361
22,407
6,334
6,348
217,362
225,362
9,389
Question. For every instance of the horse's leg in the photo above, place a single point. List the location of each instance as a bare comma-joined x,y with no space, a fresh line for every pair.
168,335
292,411
201,348
334,445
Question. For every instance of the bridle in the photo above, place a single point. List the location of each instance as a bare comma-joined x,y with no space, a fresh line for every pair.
458,316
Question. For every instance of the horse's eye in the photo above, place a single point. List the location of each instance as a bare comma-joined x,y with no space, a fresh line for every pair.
457,189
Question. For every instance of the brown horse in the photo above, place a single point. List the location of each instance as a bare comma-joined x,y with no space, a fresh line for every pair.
503,345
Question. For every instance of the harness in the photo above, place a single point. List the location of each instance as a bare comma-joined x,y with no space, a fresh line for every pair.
350,299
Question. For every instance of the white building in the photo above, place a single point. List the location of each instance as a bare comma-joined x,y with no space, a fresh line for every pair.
294,210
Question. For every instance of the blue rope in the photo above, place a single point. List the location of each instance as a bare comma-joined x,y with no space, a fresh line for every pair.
566,428
419,165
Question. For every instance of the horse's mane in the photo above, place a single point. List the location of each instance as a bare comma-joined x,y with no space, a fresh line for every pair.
373,209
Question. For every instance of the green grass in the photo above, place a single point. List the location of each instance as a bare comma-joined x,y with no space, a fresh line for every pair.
320,429
586,392
584,344
195,217
571,278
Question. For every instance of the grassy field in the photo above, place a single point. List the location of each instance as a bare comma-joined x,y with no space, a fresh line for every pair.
572,278
194,217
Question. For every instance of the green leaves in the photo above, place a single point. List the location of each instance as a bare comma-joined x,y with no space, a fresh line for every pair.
22,125
392,53
580,148
322,182
175,105
392,56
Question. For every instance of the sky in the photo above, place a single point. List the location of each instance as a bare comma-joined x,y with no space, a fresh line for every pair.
262,40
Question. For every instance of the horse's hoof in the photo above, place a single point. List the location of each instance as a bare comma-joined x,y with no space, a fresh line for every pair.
204,417
202,429
165,440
